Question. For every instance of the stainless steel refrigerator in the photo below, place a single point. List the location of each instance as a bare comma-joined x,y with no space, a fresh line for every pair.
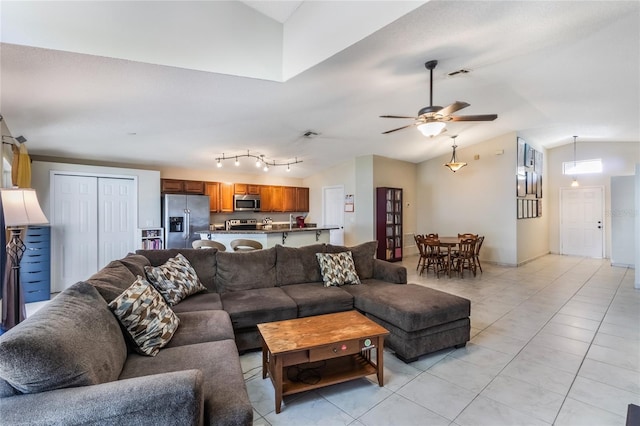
182,215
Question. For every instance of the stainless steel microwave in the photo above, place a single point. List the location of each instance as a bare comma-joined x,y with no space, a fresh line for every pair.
246,203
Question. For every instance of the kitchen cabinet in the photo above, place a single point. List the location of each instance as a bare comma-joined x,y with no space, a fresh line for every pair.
289,198
226,197
389,223
212,189
302,199
246,189
178,186
271,199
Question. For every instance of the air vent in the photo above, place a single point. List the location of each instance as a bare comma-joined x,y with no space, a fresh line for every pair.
458,72
310,134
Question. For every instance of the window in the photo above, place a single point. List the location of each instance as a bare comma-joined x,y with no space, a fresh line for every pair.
582,167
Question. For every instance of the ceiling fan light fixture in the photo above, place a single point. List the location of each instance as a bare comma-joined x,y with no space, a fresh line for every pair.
432,128
454,165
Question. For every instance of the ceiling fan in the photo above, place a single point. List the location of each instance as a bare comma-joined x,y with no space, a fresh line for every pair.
431,119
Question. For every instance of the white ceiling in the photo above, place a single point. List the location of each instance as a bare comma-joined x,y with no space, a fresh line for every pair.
550,70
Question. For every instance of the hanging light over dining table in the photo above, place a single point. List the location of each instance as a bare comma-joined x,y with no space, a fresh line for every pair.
454,165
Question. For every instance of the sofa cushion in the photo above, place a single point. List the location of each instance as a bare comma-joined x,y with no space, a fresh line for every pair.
226,401
296,265
238,271
337,269
145,315
251,307
413,307
202,261
363,257
175,279
112,280
199,302
135,263
316,299
202,326
75,325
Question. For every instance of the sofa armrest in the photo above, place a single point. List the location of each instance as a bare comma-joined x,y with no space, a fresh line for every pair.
168,398
390,272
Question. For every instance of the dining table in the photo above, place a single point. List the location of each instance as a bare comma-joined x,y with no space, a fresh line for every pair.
449,243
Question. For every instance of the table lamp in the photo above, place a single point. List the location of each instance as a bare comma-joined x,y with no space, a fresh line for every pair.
20,208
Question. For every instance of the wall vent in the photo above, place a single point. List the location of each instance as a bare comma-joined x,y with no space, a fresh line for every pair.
460,71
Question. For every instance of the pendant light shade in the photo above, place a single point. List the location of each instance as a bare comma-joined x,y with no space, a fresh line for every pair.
575,183
454,165
431,129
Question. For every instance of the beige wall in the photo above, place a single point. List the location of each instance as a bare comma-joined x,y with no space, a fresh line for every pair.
618,159
480,198
399,174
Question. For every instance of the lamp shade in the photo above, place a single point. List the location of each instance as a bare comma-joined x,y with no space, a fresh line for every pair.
431,128
20,207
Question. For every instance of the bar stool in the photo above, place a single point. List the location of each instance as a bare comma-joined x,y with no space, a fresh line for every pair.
205,244
245,245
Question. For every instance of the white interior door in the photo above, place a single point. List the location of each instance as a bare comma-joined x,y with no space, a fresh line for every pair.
581,221
333,212
74,230
116,232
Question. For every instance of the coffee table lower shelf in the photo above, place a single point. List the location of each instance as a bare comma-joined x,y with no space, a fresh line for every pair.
331,372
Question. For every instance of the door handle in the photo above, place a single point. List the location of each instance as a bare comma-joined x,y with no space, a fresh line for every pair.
187,224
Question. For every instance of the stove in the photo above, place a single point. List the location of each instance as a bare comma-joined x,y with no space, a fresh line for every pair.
241,224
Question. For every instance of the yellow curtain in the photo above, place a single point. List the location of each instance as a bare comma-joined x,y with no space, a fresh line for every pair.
21,167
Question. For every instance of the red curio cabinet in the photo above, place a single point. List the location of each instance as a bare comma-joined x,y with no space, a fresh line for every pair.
389,223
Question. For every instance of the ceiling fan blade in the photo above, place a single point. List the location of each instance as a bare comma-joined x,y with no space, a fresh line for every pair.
448,110
486,117
396,116
400,128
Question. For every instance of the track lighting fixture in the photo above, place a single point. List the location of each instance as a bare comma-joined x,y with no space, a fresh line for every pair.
261,161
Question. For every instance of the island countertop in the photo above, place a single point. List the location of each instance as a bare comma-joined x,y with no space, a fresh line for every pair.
278,230
282,235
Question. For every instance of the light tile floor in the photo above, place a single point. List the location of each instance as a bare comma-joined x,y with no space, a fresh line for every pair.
556,341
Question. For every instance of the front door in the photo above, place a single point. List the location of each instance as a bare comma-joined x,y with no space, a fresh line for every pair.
581,221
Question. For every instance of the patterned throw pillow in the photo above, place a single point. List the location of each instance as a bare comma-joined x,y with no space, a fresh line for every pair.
175,279
337,269
146,316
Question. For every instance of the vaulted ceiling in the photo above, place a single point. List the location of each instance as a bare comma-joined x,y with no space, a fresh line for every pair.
181,83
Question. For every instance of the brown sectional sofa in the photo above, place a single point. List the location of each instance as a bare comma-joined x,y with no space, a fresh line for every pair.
77,367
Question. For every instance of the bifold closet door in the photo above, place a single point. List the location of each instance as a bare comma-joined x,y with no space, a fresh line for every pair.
116,233
74,230
93,223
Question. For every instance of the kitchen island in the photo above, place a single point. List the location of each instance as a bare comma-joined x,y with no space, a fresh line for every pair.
290,237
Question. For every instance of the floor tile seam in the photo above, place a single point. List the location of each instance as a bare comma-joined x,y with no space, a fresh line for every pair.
594,406
389,396
524,413
609,363
609,384
587,352
581,328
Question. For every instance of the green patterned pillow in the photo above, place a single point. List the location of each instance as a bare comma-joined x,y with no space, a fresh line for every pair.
175,279
337,269
145,316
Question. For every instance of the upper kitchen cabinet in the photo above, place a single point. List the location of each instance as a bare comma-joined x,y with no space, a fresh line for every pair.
246,189
289,198
302,199
178,186
226,197
212,189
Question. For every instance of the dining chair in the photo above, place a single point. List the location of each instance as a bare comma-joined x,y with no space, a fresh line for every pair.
468,235
465,258
435,259
418,238
205,244
242,244
432,236
479,242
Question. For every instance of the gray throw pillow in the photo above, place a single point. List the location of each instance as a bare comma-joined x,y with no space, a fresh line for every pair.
337,269
145,315
175,279
74,340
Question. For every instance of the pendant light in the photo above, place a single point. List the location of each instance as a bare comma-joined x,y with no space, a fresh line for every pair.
454,165
575,183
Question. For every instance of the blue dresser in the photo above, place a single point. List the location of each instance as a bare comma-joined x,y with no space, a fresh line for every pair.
35,267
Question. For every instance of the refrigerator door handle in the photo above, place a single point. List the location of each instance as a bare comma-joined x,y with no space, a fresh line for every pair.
187,224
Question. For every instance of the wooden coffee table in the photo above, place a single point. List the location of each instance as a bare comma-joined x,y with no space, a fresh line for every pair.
308,353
